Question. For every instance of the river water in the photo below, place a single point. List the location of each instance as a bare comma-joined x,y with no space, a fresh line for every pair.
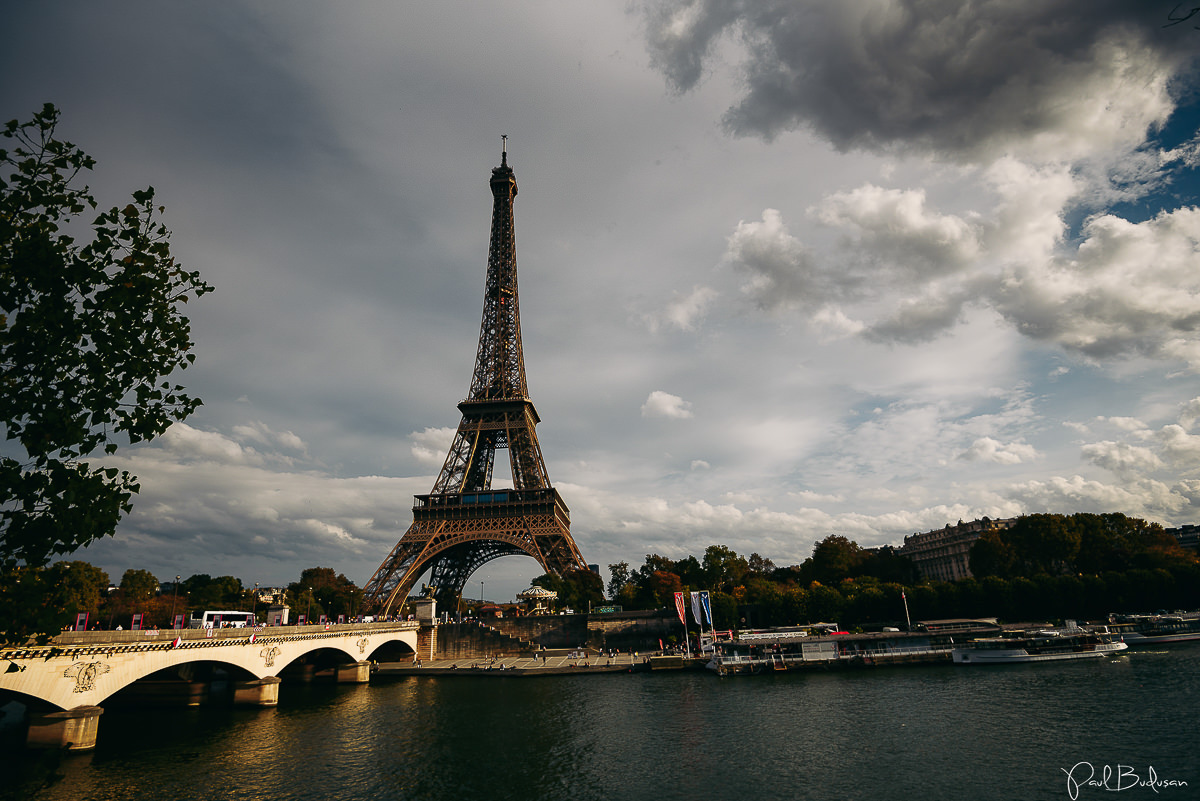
944,732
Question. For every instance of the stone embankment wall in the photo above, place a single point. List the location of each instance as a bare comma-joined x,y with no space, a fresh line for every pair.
638,631
473,641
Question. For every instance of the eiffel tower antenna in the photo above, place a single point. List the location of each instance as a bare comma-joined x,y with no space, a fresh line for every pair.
463,523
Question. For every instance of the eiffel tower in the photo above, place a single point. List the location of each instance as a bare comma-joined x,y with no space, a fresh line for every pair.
463,523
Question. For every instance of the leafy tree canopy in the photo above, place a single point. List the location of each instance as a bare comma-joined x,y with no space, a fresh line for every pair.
89,331
138,585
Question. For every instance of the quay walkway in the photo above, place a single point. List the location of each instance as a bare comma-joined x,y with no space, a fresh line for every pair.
549,663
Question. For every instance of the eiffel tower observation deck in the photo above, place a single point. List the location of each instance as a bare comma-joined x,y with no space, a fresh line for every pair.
464,523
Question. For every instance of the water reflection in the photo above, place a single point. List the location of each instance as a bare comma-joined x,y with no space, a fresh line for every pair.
937,733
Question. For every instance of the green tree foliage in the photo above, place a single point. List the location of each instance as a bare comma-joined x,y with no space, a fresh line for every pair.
833,559
332,594
89,331
619,576
138,586
203,592
1076,544
577,589
723,569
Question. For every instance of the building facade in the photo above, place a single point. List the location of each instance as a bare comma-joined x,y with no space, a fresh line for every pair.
945,554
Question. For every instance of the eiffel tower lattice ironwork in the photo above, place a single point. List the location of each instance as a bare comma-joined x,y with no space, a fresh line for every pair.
463,523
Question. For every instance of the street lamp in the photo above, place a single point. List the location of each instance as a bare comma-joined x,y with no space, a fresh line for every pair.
173,600
254,601
481,592
308,609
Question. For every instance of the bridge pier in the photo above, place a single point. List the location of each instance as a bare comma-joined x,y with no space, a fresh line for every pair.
259,692
354,673
70,729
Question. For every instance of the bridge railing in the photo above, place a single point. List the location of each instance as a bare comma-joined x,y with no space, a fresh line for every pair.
95,639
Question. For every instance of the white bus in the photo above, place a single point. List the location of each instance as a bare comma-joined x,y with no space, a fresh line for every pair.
222,619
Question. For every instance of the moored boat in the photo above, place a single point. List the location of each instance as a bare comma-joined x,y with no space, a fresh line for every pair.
1042,646
1138,630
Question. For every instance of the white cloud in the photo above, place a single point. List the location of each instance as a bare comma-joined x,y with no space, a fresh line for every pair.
192,444
1121,457
664,404
783,273
684,312
429,447
986,449
896,226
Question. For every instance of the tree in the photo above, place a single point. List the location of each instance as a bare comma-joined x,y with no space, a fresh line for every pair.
723,568
138,585
834,558
619,576
333,593
88,334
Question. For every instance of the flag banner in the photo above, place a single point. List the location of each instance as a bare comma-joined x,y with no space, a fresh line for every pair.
175,642
178,623
696,608
679,607
253,637
136,625
706,604
81,621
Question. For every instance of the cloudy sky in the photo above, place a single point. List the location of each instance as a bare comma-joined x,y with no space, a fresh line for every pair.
787,269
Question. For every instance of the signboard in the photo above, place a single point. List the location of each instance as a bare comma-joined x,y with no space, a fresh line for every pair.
81,621
136,625
178,622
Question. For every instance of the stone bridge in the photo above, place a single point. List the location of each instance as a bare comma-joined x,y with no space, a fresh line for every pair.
64,683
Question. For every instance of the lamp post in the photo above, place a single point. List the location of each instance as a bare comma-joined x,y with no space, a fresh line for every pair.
173,600
308,609
481,592
254,602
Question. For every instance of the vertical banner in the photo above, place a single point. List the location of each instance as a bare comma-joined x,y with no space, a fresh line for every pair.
679,607
696,608
216,621
706,605
178,622
324,620
81,621
136,625
341,619
301,620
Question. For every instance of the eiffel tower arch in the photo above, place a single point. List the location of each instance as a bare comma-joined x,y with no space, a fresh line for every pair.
463,523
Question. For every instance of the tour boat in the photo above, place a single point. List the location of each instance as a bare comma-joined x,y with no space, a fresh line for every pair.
1042,646
1138,630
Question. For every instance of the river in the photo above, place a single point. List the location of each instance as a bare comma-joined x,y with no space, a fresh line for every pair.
932,732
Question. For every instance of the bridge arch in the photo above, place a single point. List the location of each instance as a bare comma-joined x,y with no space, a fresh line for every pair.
87,668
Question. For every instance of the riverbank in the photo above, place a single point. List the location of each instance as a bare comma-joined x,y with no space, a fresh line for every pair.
548,663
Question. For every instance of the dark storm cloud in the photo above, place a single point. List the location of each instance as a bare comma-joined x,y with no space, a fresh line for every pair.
947,76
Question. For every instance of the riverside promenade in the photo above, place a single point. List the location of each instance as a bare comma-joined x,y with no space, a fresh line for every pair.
548,663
